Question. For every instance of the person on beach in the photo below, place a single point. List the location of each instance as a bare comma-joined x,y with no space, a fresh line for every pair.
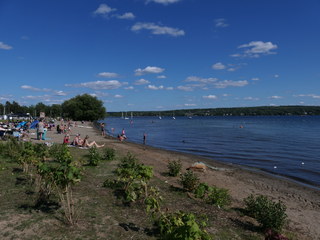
66,139
40,129
87,144
103,131
77,141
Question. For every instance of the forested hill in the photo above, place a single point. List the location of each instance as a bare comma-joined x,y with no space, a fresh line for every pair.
239,111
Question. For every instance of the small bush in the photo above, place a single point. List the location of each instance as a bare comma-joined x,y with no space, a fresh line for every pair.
218,196
181,226
269,214
189,181
94,156
174,168
109,154
201,191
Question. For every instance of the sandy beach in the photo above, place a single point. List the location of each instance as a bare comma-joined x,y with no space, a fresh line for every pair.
303,203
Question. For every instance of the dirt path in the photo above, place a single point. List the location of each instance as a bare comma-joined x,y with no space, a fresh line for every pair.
303,204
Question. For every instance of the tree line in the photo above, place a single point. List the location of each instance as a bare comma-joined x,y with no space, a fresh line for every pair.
237,111
82,107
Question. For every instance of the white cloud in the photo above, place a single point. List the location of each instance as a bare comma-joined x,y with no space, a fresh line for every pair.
308,95
230,83
201,80
127,15
141,82
190,104
276,97
220,23
185,88
255,79
5,46
112,84
158,30
218,66
118,96
129,88
139,71
251,99
164,2
60,93
276,76
210,97
256,48
27,87
153,87
108,75
161,77
104,9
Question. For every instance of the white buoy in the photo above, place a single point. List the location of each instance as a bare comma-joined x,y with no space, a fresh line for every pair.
302,163
275,167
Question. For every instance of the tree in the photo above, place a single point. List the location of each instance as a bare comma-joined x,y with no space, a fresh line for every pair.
83,107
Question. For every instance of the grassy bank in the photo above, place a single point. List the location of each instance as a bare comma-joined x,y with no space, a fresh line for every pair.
100,213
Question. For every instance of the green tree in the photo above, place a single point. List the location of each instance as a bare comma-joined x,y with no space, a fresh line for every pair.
83,107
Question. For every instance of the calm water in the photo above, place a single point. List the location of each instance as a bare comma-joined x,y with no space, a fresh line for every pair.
286,145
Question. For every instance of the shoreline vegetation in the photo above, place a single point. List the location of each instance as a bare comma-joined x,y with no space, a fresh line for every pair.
235,111
102,216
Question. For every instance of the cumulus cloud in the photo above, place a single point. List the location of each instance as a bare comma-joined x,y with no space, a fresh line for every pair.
27,87
129,88
164,2
118,96
157,30
108,75
201,80
210,97
147,70
185,88
218,66
255,79
104,9
230,83
251,99
161,77
153,87
141,82
220,23
127,15
60,93
190,104
275,97
5,46
255,49
112,84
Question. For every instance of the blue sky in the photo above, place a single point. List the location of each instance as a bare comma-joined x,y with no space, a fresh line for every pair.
161,54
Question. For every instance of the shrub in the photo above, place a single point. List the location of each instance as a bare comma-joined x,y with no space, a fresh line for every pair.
189,181
181,226
109,154
94,156
218,196
174,168
201,191
269,214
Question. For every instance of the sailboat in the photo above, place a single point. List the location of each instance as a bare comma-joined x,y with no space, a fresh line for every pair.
173,117
126,117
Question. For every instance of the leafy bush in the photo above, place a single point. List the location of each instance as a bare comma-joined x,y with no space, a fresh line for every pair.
109,154
269,214
94,156
201,191
181,226
132,180
189,181
218,196
174,168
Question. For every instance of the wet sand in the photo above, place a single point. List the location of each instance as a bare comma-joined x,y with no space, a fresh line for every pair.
303,203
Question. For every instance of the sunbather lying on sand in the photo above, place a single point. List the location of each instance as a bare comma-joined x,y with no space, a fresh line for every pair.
87,144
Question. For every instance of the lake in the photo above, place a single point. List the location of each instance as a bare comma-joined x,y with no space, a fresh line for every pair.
282,145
